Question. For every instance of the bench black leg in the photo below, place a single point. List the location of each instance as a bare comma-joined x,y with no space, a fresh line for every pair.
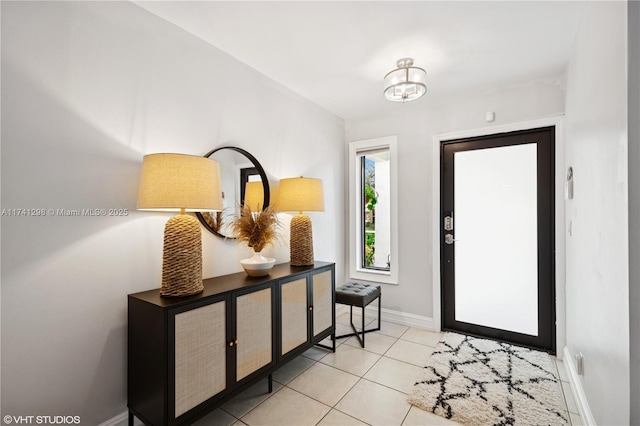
379,311
360,334
362,340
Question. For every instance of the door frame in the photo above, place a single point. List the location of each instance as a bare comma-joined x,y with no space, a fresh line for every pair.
559,167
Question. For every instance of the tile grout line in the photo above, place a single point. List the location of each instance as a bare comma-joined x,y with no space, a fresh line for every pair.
360,379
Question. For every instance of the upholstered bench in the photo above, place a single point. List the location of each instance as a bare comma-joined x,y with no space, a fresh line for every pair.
359,294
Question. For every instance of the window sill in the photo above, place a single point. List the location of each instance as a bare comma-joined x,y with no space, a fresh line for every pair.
385,277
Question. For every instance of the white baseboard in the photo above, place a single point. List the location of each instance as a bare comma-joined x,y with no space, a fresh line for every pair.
402,318
389,315
578,391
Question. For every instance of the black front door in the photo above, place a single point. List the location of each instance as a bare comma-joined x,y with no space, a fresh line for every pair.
497,237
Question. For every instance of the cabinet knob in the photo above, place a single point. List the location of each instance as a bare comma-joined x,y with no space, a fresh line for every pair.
311,308
230,343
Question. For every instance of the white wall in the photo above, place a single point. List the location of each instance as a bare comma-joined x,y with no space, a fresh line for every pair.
415,127
597,252
633,38
88,88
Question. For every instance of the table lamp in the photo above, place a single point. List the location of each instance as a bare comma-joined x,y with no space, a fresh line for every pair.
301,194
180,183
254,196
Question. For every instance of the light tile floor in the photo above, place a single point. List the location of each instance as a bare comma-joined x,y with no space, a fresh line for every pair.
352,386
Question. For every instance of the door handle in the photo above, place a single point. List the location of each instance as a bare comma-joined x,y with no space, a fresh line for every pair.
448,239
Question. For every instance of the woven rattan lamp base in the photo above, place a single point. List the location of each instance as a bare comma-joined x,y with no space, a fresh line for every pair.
182,257
301,236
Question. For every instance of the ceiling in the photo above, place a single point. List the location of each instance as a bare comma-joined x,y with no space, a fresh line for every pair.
337,53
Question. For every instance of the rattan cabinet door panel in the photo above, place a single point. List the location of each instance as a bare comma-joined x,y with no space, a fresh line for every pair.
322,301
294,311
254,345
200,355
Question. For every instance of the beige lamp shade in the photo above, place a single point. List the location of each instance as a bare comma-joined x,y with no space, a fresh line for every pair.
254,196
300,194
171,182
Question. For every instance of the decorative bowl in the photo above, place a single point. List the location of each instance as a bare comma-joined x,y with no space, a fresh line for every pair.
258,265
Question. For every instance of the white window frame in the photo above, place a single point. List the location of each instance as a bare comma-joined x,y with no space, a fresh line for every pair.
357,272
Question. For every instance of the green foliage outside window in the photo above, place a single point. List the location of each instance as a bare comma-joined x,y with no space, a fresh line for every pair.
371,198
370,250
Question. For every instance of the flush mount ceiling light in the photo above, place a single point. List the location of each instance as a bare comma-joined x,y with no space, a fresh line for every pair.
405,83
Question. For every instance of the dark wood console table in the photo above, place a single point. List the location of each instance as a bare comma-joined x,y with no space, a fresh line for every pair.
189,355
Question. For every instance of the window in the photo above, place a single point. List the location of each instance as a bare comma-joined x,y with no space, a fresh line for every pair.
373,195
375,210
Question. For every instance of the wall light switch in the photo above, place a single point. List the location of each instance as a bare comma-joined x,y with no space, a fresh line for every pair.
489,116
568,185
579,364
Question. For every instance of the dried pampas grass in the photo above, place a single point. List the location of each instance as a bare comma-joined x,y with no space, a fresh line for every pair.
256,230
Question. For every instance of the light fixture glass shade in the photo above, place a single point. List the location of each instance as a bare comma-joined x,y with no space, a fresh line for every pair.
300,194
405,83
171,182
254,196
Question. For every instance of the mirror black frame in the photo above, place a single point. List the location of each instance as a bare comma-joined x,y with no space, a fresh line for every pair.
260,171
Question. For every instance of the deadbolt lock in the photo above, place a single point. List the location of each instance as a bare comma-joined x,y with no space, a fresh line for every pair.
448,223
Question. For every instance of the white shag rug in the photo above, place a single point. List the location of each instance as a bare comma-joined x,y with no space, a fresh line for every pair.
482,382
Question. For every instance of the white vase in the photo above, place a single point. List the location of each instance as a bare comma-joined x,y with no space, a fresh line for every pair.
257,265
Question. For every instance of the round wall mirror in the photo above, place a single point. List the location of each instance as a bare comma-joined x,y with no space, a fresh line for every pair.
242,180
